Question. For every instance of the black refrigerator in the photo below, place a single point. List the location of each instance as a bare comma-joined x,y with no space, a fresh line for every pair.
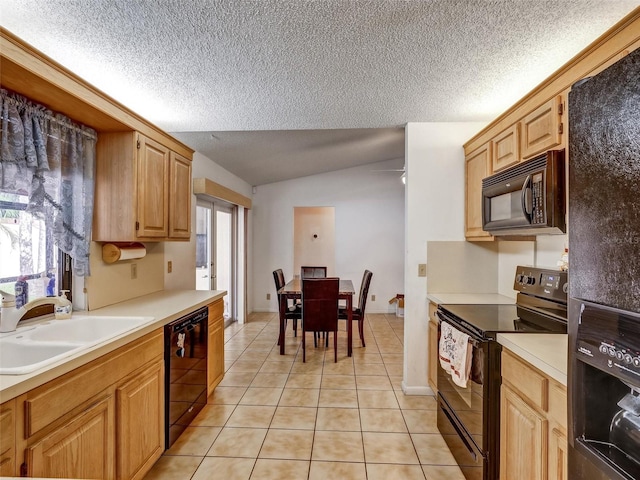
604,274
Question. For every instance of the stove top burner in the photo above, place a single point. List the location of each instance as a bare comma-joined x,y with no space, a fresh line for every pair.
490,319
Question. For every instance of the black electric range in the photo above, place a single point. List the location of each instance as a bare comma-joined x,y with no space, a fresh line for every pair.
469,418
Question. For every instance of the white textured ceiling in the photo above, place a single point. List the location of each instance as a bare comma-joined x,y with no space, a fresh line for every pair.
243,66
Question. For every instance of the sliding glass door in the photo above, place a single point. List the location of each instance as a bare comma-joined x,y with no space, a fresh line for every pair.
215,252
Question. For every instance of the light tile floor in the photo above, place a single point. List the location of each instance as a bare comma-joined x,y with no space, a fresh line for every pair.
275,417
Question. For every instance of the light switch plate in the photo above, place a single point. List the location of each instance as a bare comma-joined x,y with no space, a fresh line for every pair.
422,269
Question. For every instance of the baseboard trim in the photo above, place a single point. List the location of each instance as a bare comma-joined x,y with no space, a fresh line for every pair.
416,390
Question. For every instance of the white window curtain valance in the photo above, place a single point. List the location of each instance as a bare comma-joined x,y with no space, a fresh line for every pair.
51,160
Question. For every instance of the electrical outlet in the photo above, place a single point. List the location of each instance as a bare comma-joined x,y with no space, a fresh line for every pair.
422,269
169,266
373,298
134,271
268,296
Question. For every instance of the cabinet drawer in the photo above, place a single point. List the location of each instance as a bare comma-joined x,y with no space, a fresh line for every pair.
529,382
49,402
216,309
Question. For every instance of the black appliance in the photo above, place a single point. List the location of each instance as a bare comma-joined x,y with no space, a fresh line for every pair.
469,418
604,258
185,355
526,199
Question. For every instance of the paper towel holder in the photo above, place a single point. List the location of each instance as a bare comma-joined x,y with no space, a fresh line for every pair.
114,252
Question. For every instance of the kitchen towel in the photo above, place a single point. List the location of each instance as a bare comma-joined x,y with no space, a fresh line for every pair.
455,354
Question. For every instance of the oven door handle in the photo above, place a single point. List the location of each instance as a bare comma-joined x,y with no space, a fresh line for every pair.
472,340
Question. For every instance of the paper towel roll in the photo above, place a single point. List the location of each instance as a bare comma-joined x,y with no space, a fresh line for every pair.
112,252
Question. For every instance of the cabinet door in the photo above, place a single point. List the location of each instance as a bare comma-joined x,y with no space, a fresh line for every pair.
140,422
477,168
180,197
433,355
542,129
153,189
523,439
557,455
7,439
81,448
215,356
505,149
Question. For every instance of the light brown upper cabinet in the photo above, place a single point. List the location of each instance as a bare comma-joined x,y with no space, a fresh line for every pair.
543,128
505,148
180,197
477,165
143,190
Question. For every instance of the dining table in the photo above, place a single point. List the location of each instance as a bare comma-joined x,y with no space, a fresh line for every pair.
293,290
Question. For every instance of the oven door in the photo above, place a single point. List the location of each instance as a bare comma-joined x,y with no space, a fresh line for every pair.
467,417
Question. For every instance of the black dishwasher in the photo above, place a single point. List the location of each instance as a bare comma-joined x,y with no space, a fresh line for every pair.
185,356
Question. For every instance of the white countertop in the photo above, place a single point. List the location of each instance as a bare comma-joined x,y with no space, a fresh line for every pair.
547,352
164,307
470,298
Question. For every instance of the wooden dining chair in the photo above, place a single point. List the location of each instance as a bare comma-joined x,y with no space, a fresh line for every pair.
320,309
292,311
313,272
358,312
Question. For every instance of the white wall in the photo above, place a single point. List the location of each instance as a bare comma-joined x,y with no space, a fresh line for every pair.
369,229
434,210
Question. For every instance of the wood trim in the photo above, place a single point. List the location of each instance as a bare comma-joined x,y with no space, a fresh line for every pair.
29,72
623,37
209,188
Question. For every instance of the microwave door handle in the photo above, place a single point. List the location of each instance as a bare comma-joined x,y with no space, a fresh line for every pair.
527,206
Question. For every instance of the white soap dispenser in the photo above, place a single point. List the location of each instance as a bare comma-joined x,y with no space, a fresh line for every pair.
63,306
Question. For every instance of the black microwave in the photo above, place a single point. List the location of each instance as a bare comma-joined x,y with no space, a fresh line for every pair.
526,199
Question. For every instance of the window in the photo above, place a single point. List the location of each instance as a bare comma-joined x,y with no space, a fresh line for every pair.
28,252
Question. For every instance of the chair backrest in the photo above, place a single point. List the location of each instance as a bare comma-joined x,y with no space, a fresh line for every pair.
364,290
278,278
320,304
313,272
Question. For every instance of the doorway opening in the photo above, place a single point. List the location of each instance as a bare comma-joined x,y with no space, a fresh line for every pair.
314,231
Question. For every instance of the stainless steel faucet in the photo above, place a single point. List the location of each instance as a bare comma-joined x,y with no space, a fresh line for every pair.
10,315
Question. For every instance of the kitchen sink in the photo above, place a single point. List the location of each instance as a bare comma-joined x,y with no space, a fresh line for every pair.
84,329
18,357
33,347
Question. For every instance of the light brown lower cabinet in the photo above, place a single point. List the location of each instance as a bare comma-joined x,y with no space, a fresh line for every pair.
533,423
432,341
140,422
7,438
215,355
102,420
80,448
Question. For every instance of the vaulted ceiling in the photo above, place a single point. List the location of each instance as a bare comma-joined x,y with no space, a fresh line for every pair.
275,89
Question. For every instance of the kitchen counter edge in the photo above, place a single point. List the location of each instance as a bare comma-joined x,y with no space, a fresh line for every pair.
164,307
